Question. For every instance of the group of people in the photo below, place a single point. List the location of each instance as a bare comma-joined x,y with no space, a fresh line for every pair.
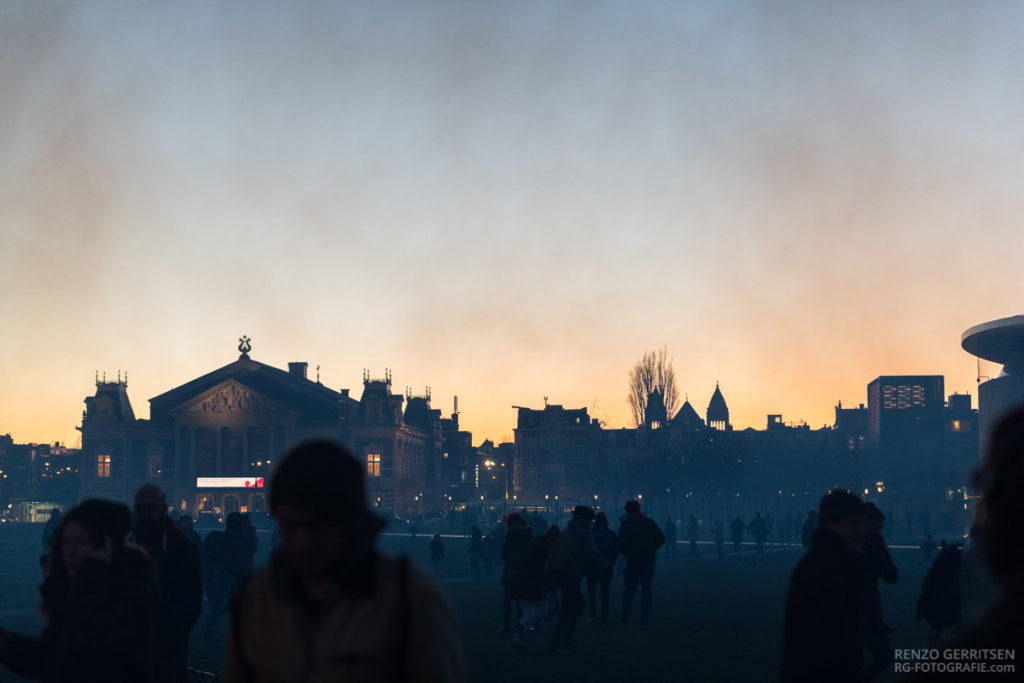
833,607
123,588
544,573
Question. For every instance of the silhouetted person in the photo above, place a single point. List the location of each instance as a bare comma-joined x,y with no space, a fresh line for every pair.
51,526
518,536
737,528
488,553
178,577
539,524
529,583
436,547
639,540
413,531
607,543
187,528
978,588
822,628
928,548
807,533
758,528
329,606
939,603
99,605
476,545
719,538
572,558
692,531
671,536
1000,516
876,563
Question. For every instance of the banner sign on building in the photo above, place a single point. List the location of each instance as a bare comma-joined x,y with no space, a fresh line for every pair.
229,482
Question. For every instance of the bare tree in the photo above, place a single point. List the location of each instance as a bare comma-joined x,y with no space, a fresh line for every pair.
653,372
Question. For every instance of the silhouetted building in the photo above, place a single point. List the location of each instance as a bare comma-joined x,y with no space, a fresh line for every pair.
718,411
999,341
553,449
211,443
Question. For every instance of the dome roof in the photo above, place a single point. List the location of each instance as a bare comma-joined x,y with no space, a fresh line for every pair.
718,411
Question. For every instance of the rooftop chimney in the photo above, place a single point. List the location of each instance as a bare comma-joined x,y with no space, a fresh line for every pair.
298,369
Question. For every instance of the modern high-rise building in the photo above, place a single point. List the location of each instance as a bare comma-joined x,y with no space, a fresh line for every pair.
998,341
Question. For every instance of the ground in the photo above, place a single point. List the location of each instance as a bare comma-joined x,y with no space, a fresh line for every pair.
714,620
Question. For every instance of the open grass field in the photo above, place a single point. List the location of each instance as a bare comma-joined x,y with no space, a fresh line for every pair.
714,620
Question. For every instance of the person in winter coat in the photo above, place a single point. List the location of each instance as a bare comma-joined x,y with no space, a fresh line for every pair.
607,543
737,528
99,602
572,558
529,584
822,629
875,563
639,540
436,547
179,579
518,536
329,606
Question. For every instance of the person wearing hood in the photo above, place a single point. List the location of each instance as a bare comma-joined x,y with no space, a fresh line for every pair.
178,575
329,606
822,629
99,605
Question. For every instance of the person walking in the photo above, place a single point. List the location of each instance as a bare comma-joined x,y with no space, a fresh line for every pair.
639,540
671,536
737,528
607,543
572,558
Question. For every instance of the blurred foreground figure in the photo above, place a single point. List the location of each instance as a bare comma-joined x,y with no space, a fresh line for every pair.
179,579
329,606
822,631
99,604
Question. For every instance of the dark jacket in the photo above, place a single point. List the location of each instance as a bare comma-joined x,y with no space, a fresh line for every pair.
607,543
178,575
528,577
100,626
574,552
517,540
821,632
639,540
875,563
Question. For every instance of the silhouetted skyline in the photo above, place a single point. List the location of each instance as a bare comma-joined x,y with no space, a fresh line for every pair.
505,201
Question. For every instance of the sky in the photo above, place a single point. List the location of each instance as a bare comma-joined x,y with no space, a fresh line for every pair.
506,200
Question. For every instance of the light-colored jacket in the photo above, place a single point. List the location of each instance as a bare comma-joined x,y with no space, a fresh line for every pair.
396,627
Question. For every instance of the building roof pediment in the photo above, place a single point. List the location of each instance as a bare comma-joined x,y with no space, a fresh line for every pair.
230,396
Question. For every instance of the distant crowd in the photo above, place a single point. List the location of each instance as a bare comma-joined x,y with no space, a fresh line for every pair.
123,587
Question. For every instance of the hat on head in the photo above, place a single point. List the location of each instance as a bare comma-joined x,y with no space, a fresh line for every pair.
324,478
837,504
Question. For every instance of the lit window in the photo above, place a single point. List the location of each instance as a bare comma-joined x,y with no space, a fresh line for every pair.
103,466
955,426
373,464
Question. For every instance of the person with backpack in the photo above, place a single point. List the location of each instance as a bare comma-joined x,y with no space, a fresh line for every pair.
607,544
821,638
